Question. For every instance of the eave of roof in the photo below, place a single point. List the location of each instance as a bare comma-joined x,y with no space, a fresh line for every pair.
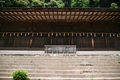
59,14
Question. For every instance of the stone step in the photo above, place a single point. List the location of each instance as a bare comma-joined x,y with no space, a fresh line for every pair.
57,60
80,75
66,64
12,52
57,57
63,71
62,67
61,60
52,58
60,78
61,64
64,58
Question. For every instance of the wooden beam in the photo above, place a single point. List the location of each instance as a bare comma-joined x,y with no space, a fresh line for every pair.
57,15
49,16
102,16
83,15
45,15
37,15
14,17
62,14
92,39
115,18
74,16
94,16
53,16
33,15
24,16
18,17
87,16
72,40
109,16
112,18
8,16
51,39
78,16
3,16
41,15
66,16
14,41
30,42
69,16
29,16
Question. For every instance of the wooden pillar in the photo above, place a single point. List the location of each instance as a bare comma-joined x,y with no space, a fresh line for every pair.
106,42
72,34
13,41
72,40
92,39
0,25
51,41
30,42
31,34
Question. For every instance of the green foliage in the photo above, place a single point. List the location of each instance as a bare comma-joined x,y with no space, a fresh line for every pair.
80,3
114,5
37,3
67,3
96,3
104,3
52,3
91,79
39,79
20,75
8,3
60,3
55,4
22,3
1,3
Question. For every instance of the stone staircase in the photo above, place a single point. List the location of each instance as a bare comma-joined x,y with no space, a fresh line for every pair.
62,66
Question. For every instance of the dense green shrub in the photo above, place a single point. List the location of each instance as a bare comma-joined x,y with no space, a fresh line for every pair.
61,3
21,3
37,3
114,5
20,75
80,3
